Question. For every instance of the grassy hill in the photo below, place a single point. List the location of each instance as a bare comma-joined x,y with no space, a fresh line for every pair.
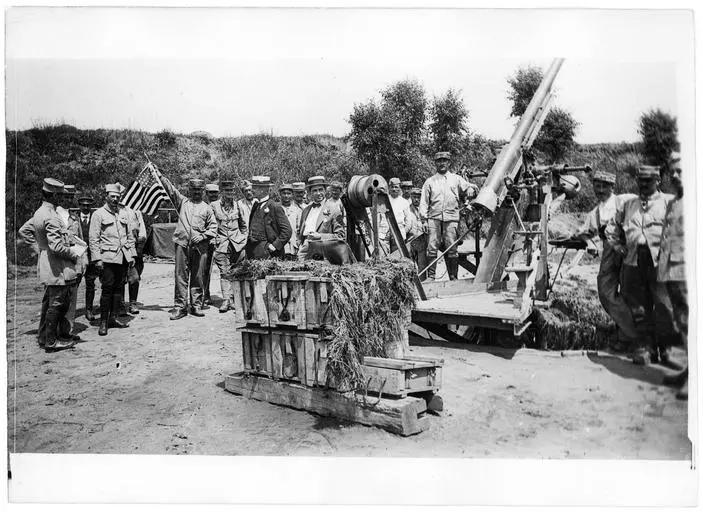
91,158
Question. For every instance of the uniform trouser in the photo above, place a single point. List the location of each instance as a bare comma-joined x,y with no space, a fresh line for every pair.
418,252
226,261
134,287
208,270
55,305
678,295
441,233
91,273
645,298
112,280
609,293
66,325
190,275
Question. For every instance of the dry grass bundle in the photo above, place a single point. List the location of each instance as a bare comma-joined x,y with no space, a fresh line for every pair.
370,303
575,319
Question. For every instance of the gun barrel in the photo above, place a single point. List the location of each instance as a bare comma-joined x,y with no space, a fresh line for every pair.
510,158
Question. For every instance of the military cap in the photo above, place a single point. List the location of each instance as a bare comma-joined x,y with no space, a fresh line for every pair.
85,200
212,187
261,180
286,186
112,188
648,171
298,185
120,187
69,189
315,181
52,185
605,177
407,183
442,155
394,181
196,183
416,192
227,185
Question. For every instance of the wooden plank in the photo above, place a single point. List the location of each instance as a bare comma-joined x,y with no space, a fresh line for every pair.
250,295
398,364
310,366
321,358
288,296
246,351
404,416
384,380
433,360
291,368
317,293
300,354
276,355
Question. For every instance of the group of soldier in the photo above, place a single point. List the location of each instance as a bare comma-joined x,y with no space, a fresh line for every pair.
642,275
641,280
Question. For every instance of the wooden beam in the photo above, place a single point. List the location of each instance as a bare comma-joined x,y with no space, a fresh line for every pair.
404,416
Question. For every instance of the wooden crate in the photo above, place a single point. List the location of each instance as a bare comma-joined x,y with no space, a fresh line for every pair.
317,300
285,354
250,306
286,301
401,377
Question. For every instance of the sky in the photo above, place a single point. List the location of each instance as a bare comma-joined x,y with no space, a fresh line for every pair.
300,71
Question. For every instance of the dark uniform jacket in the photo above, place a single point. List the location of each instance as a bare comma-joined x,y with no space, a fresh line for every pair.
268,224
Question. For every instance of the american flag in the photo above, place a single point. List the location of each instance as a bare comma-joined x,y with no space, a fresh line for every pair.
145,193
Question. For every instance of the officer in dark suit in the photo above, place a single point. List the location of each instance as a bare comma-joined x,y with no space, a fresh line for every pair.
269,229
85,204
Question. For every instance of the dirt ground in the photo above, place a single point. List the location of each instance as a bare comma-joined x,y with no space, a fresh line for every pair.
157,388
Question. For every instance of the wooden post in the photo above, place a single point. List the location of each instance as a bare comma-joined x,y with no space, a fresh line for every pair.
374,213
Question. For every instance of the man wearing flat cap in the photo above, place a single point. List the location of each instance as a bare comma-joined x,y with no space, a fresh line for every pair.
417,239
299,194
407,187
609,286
91,273
230,241
212,193
443,196
672,270
112,248
247,201
293,212
635,232
320,220
269,229
196,226
47,234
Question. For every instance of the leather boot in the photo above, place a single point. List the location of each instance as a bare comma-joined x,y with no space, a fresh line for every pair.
105,307
196,311
431,271
53,342
453,268
224,307
133,309
178,314
89,297
112,317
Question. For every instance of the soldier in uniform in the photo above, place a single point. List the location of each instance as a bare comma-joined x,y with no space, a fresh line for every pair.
672,270
334,192
407,188
417,238
635,232
75,236
196,226
112,248
443,195
212,192
91,273
299,194
230,241
293,212
246,202
269,229
611,262
320,220
47,234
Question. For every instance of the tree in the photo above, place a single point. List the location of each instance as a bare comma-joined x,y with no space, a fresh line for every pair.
556,137
659,136
387,135
448,117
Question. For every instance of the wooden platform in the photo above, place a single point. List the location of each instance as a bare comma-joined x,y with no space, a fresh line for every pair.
404,416
461,302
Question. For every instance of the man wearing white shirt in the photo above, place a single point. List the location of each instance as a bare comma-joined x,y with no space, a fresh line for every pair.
320,220
91,273
401,212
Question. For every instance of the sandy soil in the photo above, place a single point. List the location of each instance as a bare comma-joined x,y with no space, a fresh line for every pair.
157,387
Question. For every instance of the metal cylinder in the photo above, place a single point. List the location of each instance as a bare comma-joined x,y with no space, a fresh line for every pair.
508,162
361,189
